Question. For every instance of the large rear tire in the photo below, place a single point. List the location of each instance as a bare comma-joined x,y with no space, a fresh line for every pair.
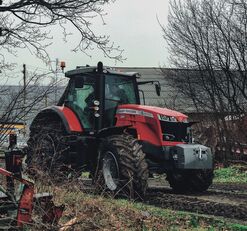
122,169
196,180
47,151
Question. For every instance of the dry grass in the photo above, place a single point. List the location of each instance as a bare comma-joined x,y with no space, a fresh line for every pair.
92,212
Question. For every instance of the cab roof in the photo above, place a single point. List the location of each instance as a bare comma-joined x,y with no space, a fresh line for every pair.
107,70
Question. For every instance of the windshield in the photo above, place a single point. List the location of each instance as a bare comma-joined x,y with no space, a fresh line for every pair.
118,90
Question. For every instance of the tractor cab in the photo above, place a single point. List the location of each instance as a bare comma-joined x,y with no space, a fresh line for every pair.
94,95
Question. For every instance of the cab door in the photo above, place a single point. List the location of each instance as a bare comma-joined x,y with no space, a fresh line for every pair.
80,96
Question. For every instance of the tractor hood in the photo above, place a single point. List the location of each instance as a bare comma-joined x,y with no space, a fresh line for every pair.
151,111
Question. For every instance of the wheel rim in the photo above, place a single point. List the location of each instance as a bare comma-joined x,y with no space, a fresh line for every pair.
110,170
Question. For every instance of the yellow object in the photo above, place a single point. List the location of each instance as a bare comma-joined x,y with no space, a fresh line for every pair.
11,128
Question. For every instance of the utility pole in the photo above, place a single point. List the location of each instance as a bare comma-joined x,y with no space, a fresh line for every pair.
24,94
56,76
24,83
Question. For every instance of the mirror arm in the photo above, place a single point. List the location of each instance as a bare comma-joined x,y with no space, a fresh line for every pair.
156,82
145,82
151,81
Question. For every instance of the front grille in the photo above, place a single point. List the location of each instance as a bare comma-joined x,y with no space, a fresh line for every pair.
174,131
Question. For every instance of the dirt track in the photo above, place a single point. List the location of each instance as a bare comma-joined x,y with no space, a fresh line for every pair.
226,200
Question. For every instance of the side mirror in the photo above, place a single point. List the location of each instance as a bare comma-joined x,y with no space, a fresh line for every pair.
157,88
79,82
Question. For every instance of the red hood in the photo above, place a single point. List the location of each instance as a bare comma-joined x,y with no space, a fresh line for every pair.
155,110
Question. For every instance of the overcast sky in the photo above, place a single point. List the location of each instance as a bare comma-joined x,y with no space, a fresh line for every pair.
131,24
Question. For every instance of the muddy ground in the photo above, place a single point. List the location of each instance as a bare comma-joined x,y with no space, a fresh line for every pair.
223,200
226,200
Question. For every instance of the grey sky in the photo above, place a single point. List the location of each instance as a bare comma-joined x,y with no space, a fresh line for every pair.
131,24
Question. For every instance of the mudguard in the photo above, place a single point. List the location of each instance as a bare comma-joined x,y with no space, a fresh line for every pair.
66,115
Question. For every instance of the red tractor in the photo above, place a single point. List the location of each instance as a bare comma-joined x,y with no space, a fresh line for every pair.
99,126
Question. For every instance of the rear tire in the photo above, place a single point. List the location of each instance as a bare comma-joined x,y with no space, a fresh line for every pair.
190,180
47,151
122,168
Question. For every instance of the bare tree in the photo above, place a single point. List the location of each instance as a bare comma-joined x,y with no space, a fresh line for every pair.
27,24
19,104
209,37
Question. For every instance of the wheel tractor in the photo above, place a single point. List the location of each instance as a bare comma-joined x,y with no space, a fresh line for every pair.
100,127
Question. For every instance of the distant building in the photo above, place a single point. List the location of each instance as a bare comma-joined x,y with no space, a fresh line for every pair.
170,97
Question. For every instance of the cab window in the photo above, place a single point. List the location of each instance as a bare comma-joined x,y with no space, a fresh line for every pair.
80,98
118,90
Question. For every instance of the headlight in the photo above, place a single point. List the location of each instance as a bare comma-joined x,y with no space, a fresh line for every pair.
167,118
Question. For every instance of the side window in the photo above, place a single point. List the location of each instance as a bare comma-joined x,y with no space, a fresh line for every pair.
79,100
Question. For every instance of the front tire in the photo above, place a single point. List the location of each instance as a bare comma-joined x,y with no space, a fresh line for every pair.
122,167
